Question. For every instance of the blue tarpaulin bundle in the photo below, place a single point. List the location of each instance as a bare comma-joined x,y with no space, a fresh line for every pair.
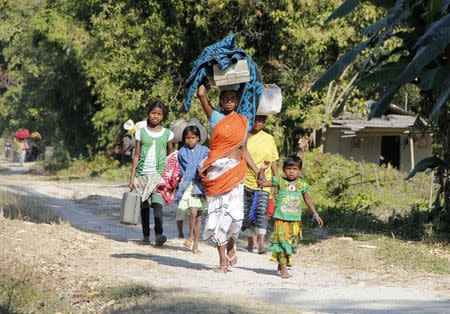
225,53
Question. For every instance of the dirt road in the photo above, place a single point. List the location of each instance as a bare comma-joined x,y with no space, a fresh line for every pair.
93,207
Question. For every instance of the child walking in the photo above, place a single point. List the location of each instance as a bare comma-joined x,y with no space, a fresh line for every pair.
153,144
190,195
288,211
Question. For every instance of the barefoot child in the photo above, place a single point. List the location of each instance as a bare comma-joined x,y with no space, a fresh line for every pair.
288,211
190,194
153,144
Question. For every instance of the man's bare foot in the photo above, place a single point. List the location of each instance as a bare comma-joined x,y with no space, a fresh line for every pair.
196,251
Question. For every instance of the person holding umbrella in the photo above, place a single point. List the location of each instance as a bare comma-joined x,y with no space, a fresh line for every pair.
23,147
21,135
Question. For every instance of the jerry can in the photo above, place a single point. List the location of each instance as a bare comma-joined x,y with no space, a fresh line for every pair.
130,208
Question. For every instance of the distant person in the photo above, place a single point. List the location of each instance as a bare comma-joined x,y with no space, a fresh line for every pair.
34,152
128,143
191,194
8,149
22,147
292,192
153,144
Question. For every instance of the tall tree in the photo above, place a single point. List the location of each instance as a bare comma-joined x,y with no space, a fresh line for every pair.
409,45
121,53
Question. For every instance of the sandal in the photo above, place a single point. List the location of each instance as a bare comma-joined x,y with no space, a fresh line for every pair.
196,251
221,269
188,243
233,259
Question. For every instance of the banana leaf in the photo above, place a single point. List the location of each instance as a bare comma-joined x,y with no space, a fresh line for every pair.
384,75
442,98
430,46
432,79
339,66
380,107
424,164
346,7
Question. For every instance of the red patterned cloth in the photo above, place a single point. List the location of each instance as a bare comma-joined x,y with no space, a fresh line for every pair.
171,176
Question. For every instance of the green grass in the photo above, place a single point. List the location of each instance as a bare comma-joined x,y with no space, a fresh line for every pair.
411,256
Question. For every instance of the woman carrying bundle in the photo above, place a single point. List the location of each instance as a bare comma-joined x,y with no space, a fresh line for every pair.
223,173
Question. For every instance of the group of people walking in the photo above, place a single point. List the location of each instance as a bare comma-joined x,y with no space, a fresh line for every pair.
231,182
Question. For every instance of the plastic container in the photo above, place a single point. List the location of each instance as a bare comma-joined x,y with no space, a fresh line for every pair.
270,100
130,208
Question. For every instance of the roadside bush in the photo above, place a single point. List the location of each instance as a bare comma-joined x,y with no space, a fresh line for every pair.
369,198
95,166
59,160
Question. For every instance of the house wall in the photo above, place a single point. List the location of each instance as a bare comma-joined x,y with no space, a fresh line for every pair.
370,148
422,149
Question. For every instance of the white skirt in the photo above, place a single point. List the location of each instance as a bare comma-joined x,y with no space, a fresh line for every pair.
226,211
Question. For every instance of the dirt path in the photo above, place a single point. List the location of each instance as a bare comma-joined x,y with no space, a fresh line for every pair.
115,255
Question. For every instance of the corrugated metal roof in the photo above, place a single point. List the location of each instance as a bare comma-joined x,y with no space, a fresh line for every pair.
392,121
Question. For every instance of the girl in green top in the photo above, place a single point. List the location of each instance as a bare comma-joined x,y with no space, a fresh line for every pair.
291,191
153,144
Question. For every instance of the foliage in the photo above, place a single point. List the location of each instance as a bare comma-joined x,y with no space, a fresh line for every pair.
409,45
59,160
338,182
82,68
369,198
93,166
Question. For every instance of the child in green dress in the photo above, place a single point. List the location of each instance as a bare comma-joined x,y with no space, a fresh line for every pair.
291,190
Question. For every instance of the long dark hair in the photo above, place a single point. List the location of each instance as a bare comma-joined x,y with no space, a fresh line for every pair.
156,104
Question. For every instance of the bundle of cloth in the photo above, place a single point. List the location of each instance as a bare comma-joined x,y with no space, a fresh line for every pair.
224,53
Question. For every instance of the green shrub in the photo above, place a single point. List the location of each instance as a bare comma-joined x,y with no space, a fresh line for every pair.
59,160
89,167
369,198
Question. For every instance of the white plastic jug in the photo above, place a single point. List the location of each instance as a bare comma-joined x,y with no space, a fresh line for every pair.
270,100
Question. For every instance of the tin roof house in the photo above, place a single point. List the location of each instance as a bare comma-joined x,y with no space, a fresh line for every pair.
391,139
